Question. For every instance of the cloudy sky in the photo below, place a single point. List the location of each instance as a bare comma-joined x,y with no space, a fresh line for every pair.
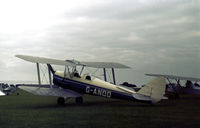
151,36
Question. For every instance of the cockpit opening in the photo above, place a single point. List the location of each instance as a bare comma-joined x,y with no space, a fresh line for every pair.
88,77
77,75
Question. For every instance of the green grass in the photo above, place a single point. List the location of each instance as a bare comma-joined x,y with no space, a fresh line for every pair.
29,111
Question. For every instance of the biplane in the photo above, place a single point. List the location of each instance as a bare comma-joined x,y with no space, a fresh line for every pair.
191,85
72,83
7,88
2,87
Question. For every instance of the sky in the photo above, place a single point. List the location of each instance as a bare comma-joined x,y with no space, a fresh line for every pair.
150,36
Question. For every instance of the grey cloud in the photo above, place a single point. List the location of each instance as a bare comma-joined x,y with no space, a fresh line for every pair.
156,37
154,27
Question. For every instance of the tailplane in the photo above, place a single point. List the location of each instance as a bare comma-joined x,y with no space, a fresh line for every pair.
154,90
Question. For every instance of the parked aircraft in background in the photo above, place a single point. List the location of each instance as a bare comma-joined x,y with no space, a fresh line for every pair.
70,83
191,85
7,89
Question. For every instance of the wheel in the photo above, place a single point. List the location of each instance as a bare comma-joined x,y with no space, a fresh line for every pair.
79,100
176,96
61,101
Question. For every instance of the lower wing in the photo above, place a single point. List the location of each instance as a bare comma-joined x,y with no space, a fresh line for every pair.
47,90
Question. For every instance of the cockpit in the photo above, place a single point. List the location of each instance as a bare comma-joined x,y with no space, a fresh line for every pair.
85,76
196,84
76,75
188,84
88,77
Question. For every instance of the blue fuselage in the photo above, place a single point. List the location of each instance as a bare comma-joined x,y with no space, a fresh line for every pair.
85,88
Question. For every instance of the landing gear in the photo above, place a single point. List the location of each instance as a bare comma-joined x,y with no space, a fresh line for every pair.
61,101
79,100
176,96
173,96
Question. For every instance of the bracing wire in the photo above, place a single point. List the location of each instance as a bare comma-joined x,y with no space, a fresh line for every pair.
44,71
93,73
109,76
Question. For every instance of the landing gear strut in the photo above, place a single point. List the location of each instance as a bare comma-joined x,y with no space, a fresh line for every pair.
79,100
61,101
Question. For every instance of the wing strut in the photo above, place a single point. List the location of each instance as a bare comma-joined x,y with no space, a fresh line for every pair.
50,81
113,74
82,69
104,73
50,70
38,71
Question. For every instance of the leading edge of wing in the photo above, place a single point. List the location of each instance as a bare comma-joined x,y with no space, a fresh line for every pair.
174,77
44,60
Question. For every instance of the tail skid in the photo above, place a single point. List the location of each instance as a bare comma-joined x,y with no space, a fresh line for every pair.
153,91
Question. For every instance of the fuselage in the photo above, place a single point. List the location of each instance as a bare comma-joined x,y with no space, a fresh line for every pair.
192,89
85,85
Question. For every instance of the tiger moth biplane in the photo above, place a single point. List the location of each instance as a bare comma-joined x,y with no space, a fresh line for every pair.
191,85
70,83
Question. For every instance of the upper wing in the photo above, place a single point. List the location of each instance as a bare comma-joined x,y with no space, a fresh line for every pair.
71,62
44,60
45,90
104,65
174,77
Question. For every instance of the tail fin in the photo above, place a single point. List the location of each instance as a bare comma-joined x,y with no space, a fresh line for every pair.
155,89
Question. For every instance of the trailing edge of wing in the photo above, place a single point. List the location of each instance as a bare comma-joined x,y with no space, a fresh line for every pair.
174,77
44,60
104,65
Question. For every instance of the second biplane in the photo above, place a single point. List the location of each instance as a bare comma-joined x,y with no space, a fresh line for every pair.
191,85
70,83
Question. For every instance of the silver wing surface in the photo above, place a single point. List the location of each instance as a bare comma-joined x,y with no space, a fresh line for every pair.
71,62
44,60
46,90
175,77
104,65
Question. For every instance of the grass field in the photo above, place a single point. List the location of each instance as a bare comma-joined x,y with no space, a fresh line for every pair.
29,111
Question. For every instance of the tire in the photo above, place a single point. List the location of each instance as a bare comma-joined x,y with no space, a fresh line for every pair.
79,100
61,101
176,96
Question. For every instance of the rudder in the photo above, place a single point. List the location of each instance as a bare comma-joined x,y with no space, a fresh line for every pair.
154,89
